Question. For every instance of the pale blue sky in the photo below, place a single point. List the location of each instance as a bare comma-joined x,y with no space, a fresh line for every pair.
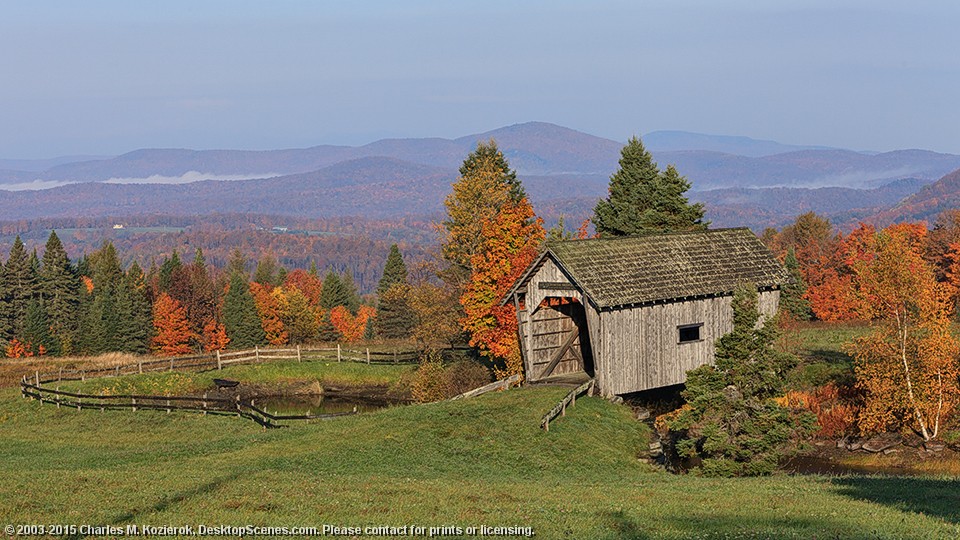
111,76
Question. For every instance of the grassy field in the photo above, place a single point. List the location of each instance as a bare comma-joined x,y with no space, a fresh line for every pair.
470,463
337,374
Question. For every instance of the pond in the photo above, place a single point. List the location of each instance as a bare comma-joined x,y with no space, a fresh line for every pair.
318,404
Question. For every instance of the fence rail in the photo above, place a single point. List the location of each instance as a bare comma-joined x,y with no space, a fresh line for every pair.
33,387
560,409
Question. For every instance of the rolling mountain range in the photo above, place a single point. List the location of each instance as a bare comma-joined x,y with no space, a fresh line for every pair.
742,181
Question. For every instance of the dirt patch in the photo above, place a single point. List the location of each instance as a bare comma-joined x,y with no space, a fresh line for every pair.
903,458
374,392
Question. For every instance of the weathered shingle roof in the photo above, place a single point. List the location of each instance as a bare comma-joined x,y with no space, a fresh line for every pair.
641,269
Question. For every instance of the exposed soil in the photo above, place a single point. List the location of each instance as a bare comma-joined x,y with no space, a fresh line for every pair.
908,457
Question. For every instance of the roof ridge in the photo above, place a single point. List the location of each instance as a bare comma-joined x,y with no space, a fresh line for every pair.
648,235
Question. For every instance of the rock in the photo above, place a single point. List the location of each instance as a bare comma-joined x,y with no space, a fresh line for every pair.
934,446
889,451
881,442
841,444
854,446
913,440
643,414
616,400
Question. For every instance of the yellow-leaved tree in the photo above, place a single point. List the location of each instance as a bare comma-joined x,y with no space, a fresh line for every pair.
908,366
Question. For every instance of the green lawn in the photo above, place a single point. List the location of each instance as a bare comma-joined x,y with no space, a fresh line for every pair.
476,462
266,374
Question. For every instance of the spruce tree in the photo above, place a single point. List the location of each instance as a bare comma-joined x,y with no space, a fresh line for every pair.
266,272
791,295
732,422
237,264
240,316
20,282
135,323
103,320
59,285
643,199
339,290
394,271
167,269
36,331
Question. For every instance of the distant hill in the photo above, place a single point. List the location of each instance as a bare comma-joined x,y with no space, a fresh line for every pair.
926,204
533,148
675,141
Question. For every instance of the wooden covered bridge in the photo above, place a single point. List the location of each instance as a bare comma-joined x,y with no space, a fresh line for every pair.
637,312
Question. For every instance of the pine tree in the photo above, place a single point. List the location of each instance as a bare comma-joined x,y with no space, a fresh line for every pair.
266,272
20,283
101,328
237,264
134,328
394,271
643,199
395,318
326,331
339,290
792,298
240,317
36,331
167,269
731,420
59,285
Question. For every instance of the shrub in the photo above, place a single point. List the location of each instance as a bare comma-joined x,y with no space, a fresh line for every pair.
430,383
466,375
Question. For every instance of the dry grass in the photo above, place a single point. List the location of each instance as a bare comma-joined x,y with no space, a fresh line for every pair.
13,369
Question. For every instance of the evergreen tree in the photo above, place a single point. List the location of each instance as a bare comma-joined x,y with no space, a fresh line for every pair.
313,269
59,285
266,272
134,325
240,316
732,422
395,318
167,270
20,282
102,321
237,264
394,271
339,290
643,199
792,295
327,331
36,331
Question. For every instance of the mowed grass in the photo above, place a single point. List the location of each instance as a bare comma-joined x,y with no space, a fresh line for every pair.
482,461
266,374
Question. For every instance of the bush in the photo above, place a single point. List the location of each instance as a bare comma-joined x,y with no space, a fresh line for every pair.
467,375
430,383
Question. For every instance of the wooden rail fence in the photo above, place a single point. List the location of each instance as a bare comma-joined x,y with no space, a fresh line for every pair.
34,387
570,399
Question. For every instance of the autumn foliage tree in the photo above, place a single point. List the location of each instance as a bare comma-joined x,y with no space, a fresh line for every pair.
908,367
268,308
172,327
511,241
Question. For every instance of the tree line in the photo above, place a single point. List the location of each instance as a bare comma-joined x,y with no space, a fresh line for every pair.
50,305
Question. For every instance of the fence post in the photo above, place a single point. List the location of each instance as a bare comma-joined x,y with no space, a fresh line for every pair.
37,374
134,403
368,356
60,376
256,350
171,363
140,365
338,352
83,375
298,354
219,363
117,371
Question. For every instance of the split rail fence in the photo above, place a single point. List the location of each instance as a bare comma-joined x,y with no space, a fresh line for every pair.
37,387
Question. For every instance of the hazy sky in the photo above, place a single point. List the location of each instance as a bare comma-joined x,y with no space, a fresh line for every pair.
106,77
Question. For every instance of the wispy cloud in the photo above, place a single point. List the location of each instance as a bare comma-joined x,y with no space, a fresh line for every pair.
188,177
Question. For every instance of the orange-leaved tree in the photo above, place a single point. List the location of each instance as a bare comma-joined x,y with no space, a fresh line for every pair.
908,367
510,242
172,327
268,308
214,336
351,327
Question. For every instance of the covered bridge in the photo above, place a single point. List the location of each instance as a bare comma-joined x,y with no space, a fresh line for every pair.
637,312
